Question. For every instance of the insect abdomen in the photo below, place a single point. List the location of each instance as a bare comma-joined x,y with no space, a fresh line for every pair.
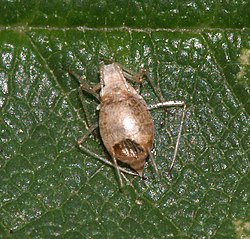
127,129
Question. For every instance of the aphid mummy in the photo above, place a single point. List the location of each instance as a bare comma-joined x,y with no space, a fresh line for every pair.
126,126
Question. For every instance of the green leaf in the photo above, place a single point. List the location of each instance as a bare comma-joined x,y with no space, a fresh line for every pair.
194,51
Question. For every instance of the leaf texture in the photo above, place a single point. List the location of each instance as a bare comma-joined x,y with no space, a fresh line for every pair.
197,52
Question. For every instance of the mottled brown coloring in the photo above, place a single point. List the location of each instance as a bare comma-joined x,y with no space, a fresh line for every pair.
125,123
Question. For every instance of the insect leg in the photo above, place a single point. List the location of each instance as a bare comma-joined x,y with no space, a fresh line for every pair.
173,104
138,78
118,171
153,161
84,86
84,137
86,150
89,152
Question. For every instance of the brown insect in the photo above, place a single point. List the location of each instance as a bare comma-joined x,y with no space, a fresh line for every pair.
125,124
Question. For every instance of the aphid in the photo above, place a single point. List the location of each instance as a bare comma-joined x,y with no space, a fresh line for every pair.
125,124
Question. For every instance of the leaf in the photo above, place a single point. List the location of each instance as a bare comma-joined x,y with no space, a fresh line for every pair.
197,52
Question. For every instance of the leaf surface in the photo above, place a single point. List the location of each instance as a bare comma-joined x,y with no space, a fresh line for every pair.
197,52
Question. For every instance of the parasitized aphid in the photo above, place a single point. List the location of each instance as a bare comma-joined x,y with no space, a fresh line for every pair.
125,124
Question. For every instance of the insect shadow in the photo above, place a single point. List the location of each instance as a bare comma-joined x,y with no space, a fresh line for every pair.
125,124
